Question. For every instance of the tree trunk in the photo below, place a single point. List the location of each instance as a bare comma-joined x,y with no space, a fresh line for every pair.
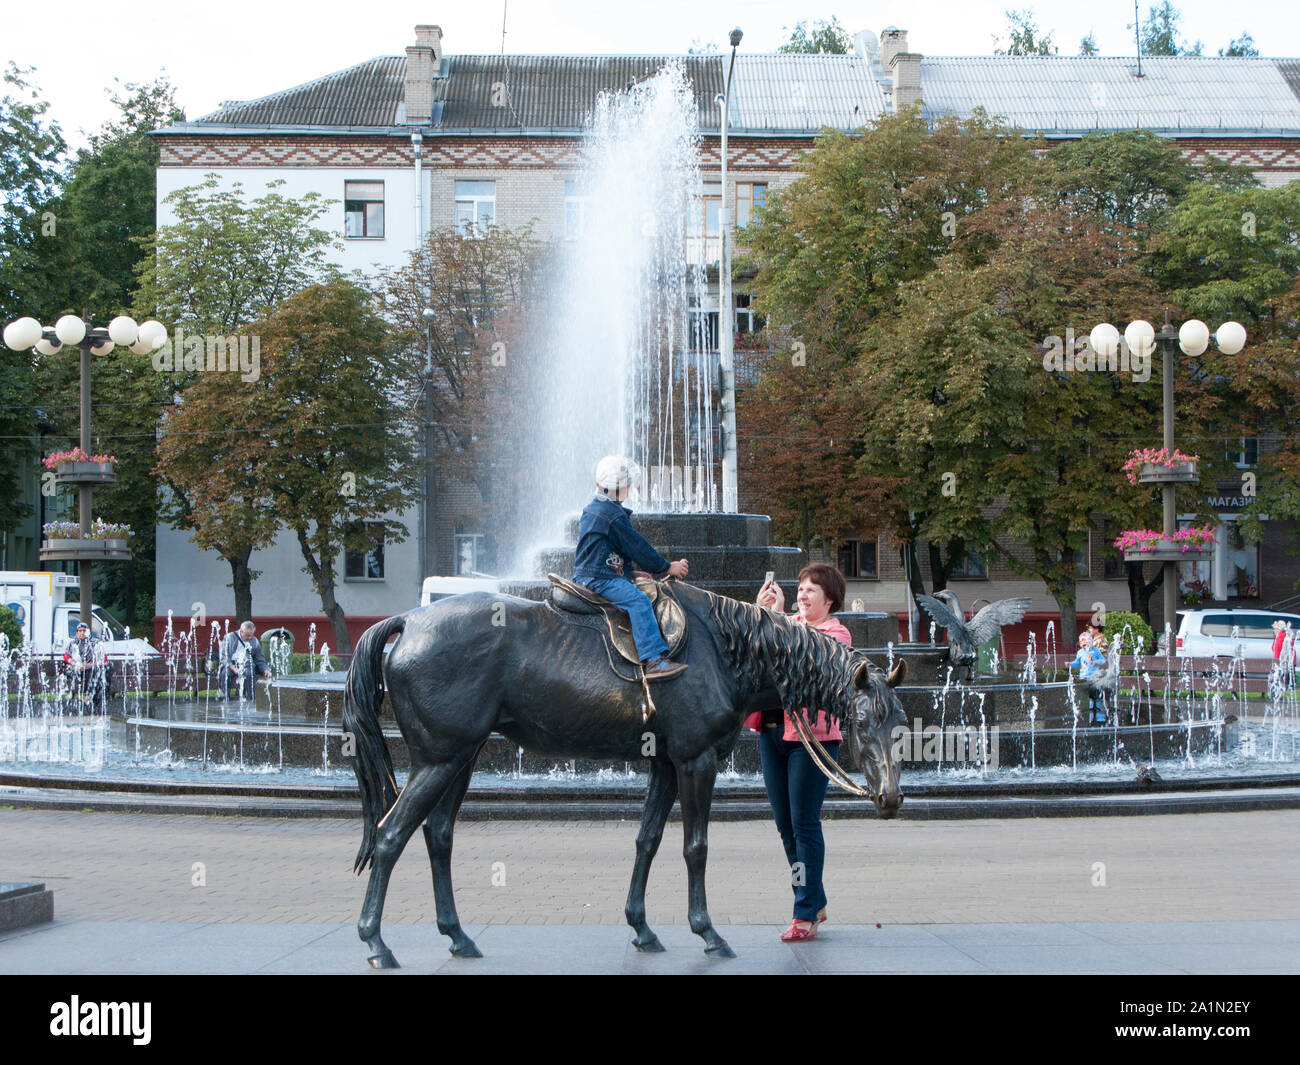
323,577
1067,601
128,594
241,580
938,571
1139,591
912,566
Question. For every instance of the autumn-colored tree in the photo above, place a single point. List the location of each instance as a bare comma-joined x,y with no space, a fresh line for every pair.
340,463
213,447
484,297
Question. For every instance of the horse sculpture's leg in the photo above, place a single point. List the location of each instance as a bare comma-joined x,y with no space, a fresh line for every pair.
423,789
658,802
437,836
695,778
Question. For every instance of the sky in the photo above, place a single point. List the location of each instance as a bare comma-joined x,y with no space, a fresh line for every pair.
243,49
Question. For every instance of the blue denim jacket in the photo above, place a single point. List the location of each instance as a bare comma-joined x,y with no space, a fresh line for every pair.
606,540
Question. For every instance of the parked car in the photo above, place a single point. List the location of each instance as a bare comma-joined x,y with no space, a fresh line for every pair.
1209,633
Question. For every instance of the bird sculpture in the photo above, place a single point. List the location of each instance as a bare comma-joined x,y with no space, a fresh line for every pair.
964,637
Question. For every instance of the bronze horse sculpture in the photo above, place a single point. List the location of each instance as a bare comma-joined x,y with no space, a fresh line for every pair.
473,664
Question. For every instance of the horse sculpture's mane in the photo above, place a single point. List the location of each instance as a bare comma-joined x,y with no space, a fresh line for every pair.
807,668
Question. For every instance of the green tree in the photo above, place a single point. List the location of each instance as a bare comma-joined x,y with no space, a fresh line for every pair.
341,461
31,149
226,261
1088,44
1160,33
1024,37
823,37
220,265
1243,45
870,213
105,211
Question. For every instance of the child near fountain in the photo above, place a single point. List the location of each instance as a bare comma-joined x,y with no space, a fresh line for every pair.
607,542
1089,661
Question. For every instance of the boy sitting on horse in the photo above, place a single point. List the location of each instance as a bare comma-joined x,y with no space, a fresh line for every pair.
607,543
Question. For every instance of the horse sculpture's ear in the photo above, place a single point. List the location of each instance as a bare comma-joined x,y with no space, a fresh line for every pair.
898,674
862,675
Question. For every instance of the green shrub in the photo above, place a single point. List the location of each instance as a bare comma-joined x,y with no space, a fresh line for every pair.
10,627
1118,620
298,663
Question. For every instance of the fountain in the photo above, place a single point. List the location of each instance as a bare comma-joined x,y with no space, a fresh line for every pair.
632,373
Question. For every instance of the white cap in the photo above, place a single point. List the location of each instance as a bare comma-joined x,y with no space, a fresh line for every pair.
614,472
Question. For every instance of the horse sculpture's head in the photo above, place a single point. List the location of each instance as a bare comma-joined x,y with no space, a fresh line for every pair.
877,713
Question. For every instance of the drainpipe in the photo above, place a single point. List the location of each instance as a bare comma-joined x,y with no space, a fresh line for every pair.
422,533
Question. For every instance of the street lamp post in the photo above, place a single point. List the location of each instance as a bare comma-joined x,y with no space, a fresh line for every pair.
726,313
1193,337
26,334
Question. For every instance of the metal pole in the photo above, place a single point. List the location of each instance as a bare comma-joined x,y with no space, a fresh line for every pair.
1166,339
85,570
726,326
430,482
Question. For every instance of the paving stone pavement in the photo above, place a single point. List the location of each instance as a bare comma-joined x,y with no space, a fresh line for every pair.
178,876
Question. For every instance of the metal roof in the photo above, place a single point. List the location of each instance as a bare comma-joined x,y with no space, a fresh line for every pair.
792,94
557,91
364,95
1076,93
798,93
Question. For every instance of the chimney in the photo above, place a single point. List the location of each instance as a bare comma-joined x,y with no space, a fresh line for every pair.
892,41
422,61
906,68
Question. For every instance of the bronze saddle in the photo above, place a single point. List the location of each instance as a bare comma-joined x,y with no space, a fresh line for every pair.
581,606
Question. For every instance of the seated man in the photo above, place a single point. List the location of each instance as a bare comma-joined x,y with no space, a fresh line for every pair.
607,543
243,660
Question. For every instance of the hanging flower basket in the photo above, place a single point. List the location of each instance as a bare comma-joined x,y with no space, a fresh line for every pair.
1150,465
63,542
1150,545
59,550
76,467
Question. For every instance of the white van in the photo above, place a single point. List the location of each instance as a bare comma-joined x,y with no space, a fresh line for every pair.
435,588
48,609
1209,633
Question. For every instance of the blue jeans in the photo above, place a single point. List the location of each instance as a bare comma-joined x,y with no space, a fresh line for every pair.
645,629
796,789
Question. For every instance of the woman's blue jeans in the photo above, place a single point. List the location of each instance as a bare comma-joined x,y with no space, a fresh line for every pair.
796,789
645,629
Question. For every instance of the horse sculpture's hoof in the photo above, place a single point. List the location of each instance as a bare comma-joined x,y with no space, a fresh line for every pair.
383,960
720,950
465,950
648,944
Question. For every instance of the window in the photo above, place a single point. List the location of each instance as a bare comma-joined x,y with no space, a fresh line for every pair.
1243,452
746,320
575,211
476,206
972,566
857,558
470,558
749,198
704,229
363,208
368,566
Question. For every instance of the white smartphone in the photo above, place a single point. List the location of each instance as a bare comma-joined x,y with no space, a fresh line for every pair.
771,576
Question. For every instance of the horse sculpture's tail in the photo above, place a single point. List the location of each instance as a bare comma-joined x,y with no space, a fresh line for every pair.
363,697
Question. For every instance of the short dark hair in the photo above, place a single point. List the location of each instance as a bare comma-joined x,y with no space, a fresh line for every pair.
829,580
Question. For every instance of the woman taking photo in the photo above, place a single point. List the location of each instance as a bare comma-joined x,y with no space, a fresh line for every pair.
795,786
